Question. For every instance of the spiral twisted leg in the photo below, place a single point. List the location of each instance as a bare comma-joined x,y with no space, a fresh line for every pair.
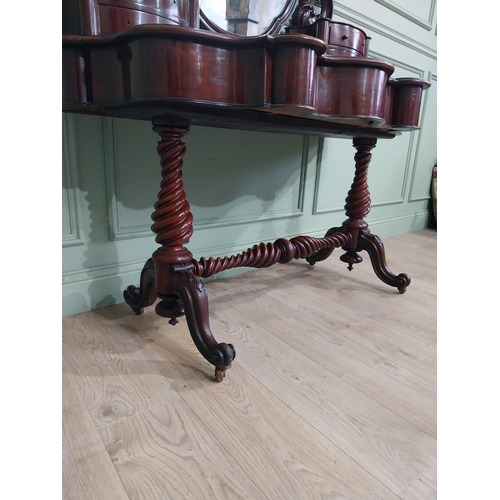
169,274
357,205
172,219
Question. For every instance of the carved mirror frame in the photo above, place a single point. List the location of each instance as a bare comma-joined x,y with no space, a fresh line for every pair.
302,10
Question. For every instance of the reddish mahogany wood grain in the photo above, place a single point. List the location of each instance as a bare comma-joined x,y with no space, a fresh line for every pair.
352,87
407,101
108,17
294,71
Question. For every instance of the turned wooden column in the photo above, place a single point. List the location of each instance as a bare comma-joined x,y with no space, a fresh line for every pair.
175,281
358,201
173,221
357,207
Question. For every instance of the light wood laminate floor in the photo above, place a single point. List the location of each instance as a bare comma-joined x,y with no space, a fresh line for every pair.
332,394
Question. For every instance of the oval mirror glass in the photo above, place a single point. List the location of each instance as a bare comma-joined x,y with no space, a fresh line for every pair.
243,17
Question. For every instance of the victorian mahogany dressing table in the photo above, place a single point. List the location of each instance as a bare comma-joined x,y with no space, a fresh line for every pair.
169,62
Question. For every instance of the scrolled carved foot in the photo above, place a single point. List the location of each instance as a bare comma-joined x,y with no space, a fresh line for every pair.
375,248
223,356
404,282
143,296
191,290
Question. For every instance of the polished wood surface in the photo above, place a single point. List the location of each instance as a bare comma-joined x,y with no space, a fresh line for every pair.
319,68
107,17
316,78
333,394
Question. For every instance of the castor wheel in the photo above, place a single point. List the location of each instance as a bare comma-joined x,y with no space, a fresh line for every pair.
220,374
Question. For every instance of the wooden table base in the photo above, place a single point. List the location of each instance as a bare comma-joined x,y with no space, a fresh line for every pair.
174,276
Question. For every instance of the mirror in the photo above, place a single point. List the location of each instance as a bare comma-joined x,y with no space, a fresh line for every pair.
246,17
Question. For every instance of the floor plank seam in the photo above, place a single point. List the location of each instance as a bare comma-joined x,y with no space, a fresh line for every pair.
221,444
375,352
417,478
113,463
79,394
346,381
317,430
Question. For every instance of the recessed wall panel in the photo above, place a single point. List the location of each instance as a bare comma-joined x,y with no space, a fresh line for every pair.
230,177
426,156
420,12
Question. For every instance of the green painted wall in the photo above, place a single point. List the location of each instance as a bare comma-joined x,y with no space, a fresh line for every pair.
243,187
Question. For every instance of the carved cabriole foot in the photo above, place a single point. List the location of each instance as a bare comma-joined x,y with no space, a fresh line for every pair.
143,296
375,248
191,290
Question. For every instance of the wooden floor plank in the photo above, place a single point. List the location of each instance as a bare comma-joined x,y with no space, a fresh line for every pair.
398,347
345,294
166,453
88,472
424,488
409,395
114,377
283,454
387,446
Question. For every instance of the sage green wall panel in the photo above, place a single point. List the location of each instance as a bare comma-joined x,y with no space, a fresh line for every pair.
248,174
223,180
133,175
243,187
335,173
422,12
426,155
388,171
381,18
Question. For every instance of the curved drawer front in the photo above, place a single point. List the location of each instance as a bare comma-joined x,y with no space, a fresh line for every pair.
162,62
346,40
351,87
407,100
286,74
294,72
